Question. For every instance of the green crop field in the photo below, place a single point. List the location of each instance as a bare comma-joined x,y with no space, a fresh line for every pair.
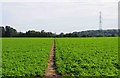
25,56
87,56
73,56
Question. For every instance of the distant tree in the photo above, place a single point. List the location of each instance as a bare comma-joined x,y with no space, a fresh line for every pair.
2,31
20,34
7,32
42,31
61,34
13,32
49,34
10,32
30,33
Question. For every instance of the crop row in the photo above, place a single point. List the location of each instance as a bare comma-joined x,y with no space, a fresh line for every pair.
87,56
25,57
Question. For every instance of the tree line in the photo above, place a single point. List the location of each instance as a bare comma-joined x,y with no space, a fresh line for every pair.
8,31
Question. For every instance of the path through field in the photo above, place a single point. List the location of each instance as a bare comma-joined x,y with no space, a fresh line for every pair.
50,71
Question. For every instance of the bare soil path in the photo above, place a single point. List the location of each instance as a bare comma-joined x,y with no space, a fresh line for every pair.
50,71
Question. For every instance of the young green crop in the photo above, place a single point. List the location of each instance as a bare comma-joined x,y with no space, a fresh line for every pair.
87,56
25,56
73,56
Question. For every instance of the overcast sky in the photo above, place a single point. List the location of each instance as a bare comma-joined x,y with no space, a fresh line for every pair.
59,16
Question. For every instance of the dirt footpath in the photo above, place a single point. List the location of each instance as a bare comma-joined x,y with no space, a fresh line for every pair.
50,71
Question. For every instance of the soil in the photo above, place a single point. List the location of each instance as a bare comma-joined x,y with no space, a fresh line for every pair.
50,71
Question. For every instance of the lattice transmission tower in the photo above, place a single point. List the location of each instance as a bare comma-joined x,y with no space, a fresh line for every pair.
100,21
